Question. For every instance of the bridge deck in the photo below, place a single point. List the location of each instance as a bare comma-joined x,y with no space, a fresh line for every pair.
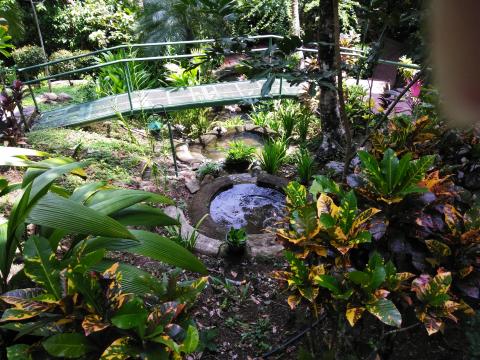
150,101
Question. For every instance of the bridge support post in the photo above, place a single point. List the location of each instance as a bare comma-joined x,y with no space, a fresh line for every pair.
270,49
33,97
172,146
129,86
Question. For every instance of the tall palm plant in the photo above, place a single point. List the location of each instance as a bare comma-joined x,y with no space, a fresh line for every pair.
177,20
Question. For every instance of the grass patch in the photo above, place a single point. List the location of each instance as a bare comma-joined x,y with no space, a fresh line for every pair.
113,160
79,92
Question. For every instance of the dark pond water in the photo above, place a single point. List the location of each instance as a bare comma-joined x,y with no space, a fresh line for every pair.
249,206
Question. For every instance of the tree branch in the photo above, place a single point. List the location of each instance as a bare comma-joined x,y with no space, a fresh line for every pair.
385,116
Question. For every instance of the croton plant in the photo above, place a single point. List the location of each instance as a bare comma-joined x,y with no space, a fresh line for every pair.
343,256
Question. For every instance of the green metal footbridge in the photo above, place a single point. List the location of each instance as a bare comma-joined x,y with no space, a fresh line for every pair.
160,99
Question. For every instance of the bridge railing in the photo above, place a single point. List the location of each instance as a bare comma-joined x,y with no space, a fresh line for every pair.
271,38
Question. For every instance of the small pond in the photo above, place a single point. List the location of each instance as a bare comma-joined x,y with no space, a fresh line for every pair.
249,206
217,150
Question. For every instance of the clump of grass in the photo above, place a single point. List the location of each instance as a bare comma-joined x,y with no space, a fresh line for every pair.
233,121
239,152
305,165
273,156
195,122
209,168
261,118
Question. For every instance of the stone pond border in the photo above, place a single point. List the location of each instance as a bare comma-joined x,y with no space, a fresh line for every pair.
209,240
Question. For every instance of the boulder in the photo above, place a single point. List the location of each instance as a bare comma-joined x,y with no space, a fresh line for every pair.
207,179
193,185
50,96
208,138
64,97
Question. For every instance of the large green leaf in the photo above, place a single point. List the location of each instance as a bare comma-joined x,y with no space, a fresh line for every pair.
42,166
83,193
371,168
389,166
19,352
15,231
112,193
3,248
191,341
41,265
359,277
134,280
144,215
165,250
57,212
329,282
69,345
402,170
41,183
6,152
385,311
156,247
118,201
131,315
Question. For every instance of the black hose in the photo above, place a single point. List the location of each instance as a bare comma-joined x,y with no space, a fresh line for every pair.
293,338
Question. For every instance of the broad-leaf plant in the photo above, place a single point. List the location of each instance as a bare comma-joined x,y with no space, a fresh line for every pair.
77,300
327,237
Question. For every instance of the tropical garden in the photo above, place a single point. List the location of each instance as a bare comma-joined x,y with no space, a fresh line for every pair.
311,199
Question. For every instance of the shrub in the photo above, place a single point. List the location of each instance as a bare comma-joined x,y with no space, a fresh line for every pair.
404,134
273,156
209,168
236,240
303,124
328,236
357,106
232,122
194,122
261,118
239,152
177,76
64,66
84,61
87,215
112,79
288,112
392,179
12,128
305,165
103,318
29,55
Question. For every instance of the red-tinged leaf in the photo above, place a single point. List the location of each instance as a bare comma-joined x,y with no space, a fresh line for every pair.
93,323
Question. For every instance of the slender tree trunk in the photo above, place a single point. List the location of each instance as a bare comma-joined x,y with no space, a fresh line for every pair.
295,14
341,96
40,37
328,105
296,28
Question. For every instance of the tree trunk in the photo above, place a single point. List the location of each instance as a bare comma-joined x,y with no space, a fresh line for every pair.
328,105
341,96
295,13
